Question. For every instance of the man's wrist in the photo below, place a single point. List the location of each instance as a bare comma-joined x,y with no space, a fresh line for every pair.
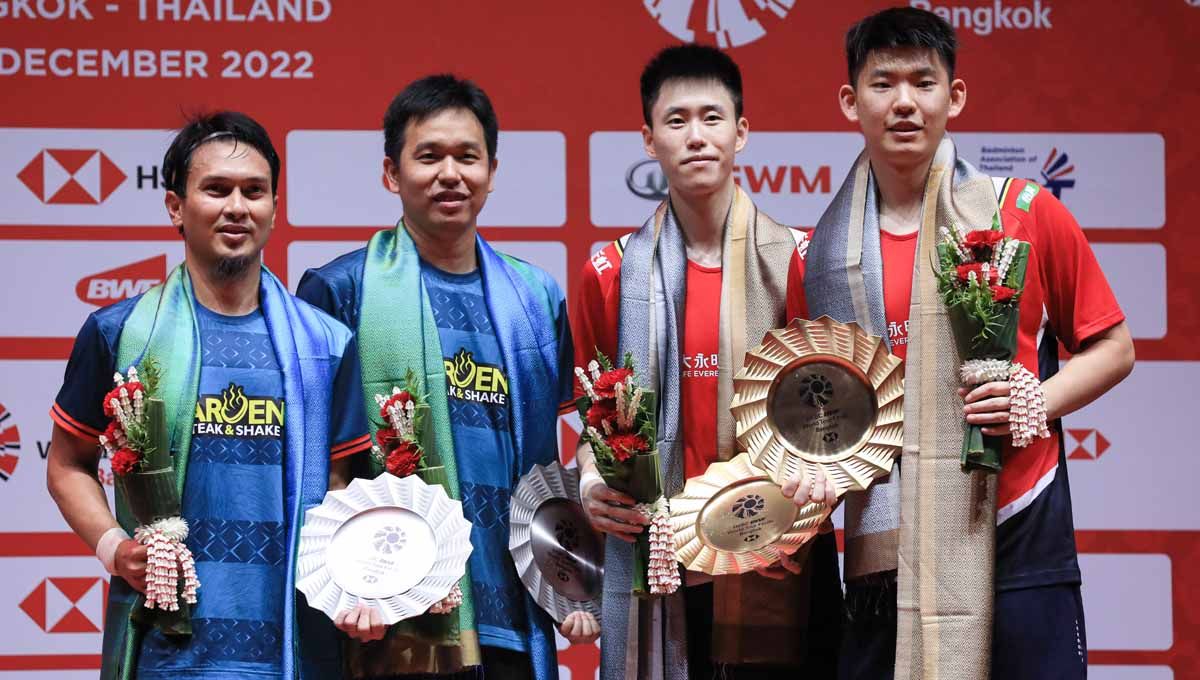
106,548
586,480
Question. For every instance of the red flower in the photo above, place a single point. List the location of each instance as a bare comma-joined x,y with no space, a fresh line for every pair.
964,271
983,237
626,445
1002,293
403,460
401,398
110,432
383,437
605,409
124,461
606,385
114,393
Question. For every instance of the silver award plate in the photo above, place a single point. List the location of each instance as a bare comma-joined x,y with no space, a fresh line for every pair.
397,544
557,553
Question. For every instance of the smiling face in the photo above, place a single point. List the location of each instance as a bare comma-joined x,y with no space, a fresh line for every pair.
695,135
442,174
228,210
902,101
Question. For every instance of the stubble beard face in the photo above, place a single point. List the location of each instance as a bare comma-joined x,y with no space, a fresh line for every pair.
230,268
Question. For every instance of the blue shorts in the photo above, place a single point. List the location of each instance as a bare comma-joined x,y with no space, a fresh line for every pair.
1038,634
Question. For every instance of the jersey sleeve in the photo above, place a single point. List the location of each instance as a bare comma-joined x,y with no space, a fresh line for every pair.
348,419
566,351
78,408
591,325
325,291
797,304
1079,302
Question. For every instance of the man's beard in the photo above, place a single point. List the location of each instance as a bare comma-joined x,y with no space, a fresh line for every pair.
229,268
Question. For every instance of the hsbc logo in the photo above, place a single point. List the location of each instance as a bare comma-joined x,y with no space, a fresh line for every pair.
124,282
71,176
10,444
67,604
1086,444
726,24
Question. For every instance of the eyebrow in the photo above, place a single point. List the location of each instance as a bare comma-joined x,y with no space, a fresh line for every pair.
474,146
221,177
683,109
880,72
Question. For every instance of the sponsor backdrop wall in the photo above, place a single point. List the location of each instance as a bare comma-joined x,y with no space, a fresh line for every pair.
1095,100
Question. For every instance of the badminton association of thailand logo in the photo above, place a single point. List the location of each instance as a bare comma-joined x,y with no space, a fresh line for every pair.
10,444
724,23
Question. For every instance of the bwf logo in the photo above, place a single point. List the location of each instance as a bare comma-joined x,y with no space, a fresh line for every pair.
71,176
123,282
727,24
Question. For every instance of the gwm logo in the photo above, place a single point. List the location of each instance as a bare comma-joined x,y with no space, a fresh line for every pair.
71,176
123,282
723,22
10,444
68,605
1088,444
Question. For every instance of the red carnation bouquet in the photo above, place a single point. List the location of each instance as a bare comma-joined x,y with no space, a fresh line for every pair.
620,423
981,276
139,448
405,447
401,445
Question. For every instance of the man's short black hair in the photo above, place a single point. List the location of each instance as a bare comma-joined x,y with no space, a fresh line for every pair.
899,27
690,62
433,94
215,127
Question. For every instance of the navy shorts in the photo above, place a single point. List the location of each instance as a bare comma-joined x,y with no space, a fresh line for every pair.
1039,634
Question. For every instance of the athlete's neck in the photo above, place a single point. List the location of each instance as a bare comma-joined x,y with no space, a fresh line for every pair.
450,251
702,219
224,292
901,194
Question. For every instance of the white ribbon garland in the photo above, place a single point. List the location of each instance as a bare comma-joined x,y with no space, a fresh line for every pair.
662,574
1027,403
166,557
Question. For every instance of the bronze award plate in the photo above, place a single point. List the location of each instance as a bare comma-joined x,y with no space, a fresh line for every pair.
821,394
558,555
733,518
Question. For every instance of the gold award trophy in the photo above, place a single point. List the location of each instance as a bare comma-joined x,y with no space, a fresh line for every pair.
733,518
821,394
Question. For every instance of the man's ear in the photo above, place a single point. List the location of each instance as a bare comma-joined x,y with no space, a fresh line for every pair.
391,178
648,141
848,101
743,134
174,203
958,97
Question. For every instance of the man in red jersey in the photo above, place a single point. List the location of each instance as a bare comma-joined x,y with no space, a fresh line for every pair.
974,576
702,280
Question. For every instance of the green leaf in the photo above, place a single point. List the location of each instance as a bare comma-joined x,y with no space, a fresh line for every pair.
603,360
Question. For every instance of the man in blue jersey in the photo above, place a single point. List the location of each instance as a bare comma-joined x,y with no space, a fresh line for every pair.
273,419
488,334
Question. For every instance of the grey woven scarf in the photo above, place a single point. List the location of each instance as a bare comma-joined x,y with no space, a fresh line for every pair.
936,525
650,327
